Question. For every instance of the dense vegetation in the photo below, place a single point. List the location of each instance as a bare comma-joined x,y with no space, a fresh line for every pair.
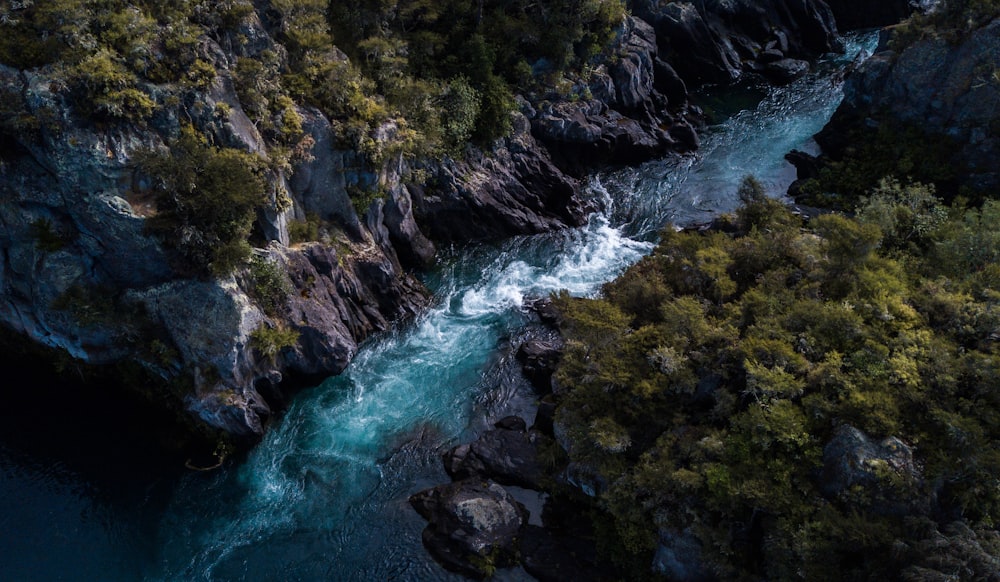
439,72
395,77
707,384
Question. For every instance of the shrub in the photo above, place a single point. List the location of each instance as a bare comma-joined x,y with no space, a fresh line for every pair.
269,286
270,341
207,200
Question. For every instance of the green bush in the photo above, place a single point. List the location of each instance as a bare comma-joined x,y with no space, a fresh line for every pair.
207,200
269,286
707,407
271,341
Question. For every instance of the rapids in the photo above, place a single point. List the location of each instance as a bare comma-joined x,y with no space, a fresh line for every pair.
324,496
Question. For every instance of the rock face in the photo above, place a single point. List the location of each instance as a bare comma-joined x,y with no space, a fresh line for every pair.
631,109
473,525
515,189
716,42
510,456
941,88
79,271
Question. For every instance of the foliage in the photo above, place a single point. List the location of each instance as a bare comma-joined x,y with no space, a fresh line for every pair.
207,200
951,19
270,341
707,381
905,153
268,284
304,230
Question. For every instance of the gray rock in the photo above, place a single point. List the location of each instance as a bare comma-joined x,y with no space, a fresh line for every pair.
940,88
473,526
539,359
784,71
885,469
511,457
320,184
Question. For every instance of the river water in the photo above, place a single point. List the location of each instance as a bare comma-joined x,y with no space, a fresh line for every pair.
324,496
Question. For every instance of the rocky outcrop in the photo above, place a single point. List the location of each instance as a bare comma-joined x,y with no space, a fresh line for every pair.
80,271
508,454
539,358
885,470
940,88
473,526
515,189
717,42
629,110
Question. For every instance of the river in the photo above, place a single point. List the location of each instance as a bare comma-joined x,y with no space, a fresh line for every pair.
324,496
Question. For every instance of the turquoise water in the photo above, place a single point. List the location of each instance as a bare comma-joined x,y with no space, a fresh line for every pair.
323,497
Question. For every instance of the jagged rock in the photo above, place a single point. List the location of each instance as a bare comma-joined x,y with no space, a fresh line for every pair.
544,308
785,71
938,87
508,456
539,359
713,42
474,526
414,249
514,190
770,55
338,301
633,71
627,120
667,81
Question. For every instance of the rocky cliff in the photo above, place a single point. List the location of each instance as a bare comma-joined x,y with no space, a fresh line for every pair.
82,270
944,88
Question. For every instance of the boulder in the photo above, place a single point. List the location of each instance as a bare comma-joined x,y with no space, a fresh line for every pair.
539,358
784,71
473,526
509,456
884,469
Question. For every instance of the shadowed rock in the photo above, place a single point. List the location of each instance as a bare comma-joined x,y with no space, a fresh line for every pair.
473,526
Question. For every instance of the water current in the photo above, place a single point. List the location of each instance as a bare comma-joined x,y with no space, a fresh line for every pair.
324,496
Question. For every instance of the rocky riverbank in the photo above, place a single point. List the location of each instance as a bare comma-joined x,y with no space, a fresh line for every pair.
82,272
